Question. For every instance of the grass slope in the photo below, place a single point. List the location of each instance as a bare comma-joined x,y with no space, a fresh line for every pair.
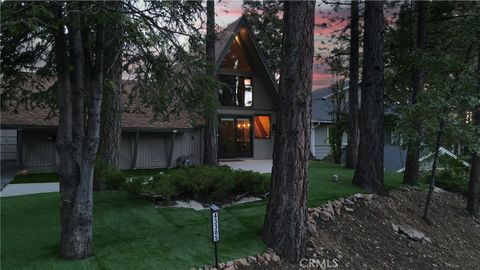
130,233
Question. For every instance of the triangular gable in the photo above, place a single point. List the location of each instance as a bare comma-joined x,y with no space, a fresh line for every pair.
226,38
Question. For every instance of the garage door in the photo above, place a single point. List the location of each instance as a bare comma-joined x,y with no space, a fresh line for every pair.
8,144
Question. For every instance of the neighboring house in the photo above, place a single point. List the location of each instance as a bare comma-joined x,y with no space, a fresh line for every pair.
395,153
322,107
426,160
246,118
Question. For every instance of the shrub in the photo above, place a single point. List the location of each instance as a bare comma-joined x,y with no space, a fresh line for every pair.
447,181
108,176
200,183
452,177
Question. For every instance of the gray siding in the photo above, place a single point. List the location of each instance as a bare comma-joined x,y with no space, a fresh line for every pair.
39,152
126,150
154,148
262,99
188,144
322,148
321,144
8,144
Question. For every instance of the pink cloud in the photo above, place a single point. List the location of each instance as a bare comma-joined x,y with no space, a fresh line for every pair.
321,79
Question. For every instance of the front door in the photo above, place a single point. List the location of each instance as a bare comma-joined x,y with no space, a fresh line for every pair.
235,136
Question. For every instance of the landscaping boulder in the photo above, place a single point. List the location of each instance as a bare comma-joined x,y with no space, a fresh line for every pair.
410,233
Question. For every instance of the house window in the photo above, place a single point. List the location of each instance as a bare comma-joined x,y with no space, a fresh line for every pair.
236,59
262,127
236,91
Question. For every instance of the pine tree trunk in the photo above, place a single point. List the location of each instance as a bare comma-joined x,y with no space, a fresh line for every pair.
109,147
77,149
369,169
473,197
76,240
412,163
285,224
210,153
353,127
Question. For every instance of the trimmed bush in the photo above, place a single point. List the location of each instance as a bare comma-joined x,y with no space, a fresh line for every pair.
201,183
108,177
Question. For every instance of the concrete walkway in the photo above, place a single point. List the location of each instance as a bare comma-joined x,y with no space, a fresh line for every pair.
26,189
257,165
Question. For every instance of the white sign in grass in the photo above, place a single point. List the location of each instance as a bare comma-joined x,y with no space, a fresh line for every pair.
215,227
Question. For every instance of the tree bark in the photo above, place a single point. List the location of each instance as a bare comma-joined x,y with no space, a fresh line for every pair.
109,147
369,169
473,197
434,171
77,149
412,163
210,153
285,224
353,127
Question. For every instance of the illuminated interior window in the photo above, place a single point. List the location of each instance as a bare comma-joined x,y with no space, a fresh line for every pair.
262,127
236,91
236,58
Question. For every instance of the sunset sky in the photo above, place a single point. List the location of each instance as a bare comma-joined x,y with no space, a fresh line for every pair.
229,11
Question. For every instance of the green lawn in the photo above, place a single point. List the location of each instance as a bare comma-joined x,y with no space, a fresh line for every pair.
130,233
35,178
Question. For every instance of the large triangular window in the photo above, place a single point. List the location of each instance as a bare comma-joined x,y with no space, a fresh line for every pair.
236,58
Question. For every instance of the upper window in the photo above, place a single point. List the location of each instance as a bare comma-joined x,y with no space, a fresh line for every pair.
262,127
236,91
236,58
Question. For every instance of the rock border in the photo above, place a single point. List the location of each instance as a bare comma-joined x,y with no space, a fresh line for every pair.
331,209
260,259
324,213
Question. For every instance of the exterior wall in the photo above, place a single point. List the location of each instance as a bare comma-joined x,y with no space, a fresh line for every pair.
322,148
38,151
321,144
154,148
8,144
127,144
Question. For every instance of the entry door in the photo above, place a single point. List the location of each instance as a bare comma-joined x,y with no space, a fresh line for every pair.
235,136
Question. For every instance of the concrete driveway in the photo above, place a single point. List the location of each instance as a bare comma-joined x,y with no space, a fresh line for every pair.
257,165
8,172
